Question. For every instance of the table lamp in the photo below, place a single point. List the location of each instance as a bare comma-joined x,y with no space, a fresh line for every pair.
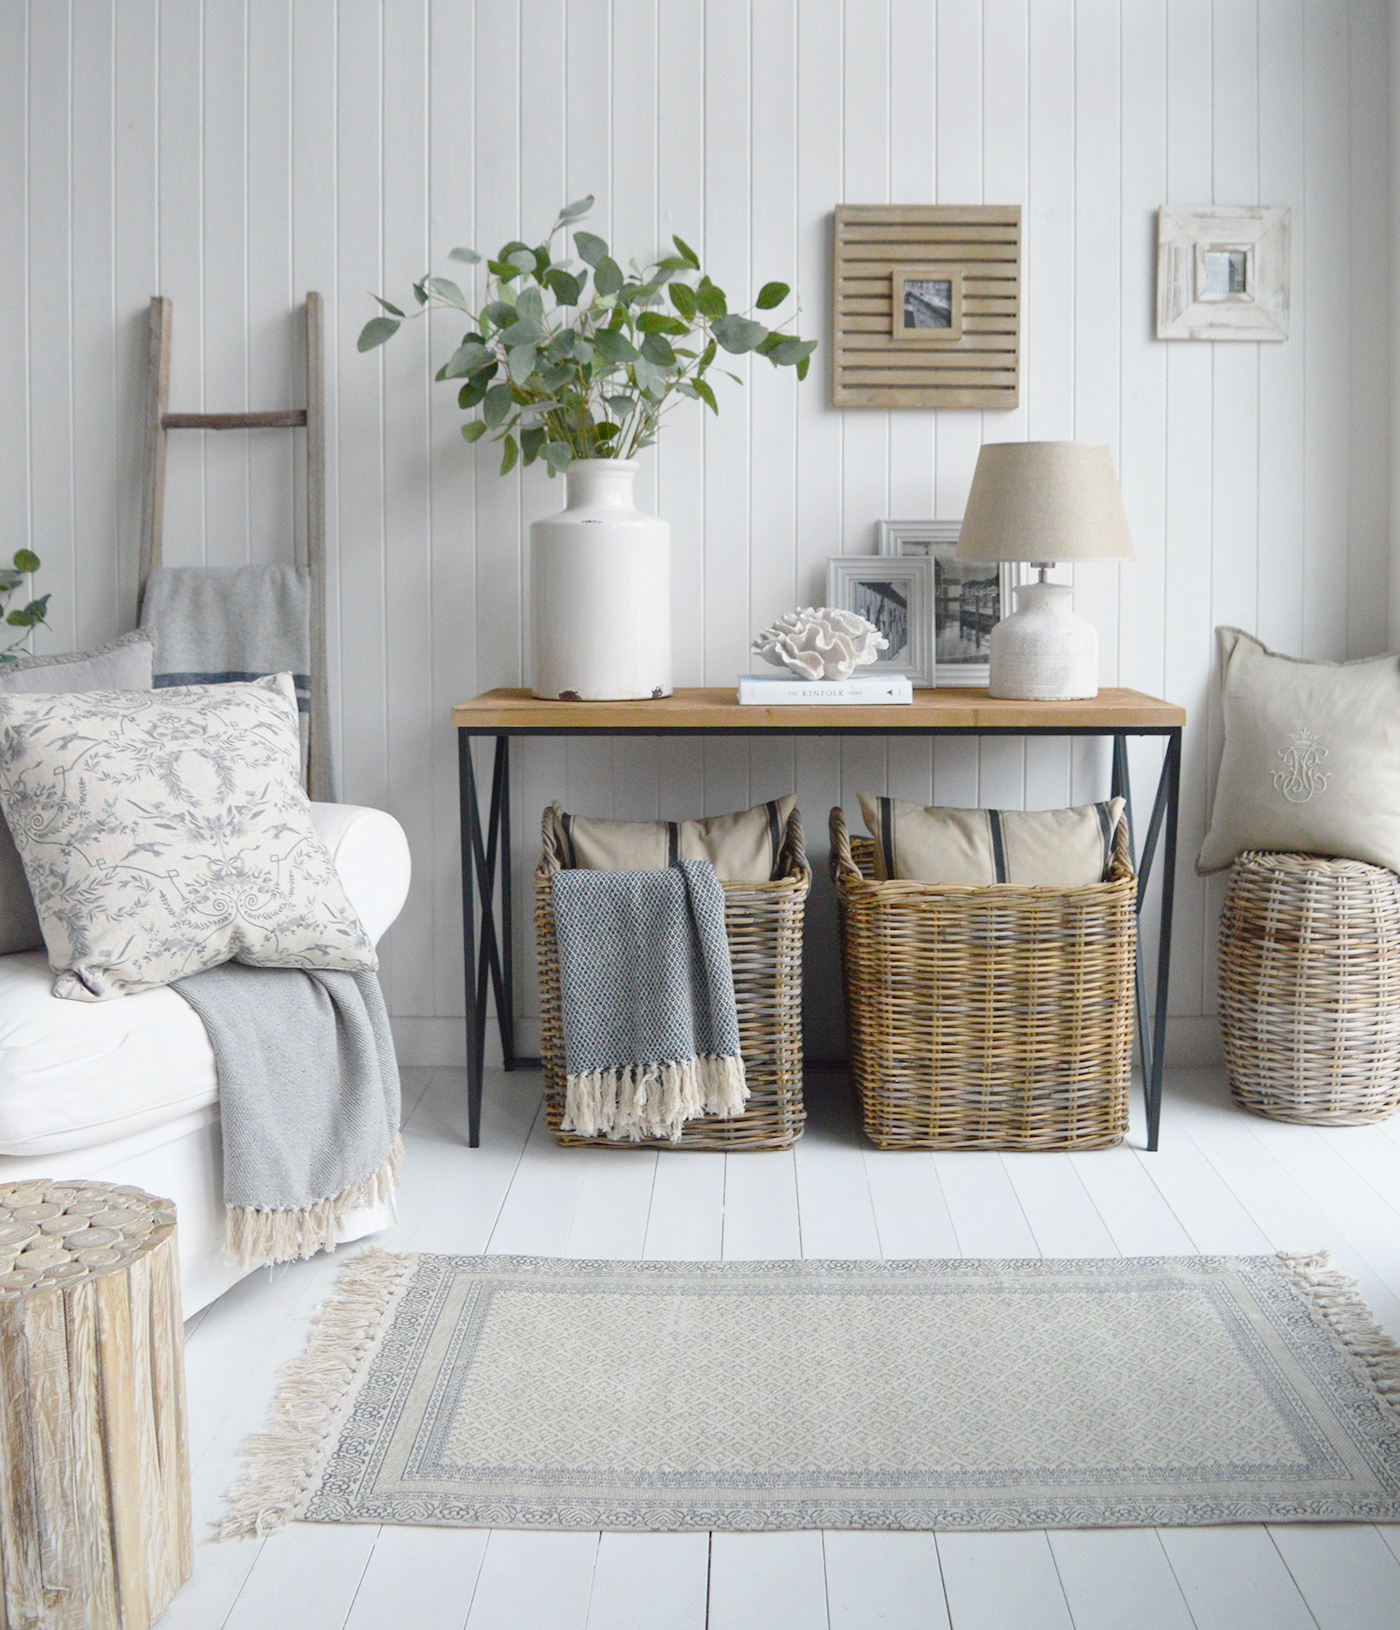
1044,501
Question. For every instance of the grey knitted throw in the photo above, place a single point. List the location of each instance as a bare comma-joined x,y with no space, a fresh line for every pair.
308,1099
651,1035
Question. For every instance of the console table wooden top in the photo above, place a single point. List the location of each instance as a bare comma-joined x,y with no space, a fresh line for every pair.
513,712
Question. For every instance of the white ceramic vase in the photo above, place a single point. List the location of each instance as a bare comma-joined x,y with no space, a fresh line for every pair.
1045,651
601,591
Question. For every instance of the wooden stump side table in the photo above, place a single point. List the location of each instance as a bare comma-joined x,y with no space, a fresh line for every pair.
94,1461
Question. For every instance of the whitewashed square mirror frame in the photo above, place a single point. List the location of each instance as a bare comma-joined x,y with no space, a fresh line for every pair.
1223,273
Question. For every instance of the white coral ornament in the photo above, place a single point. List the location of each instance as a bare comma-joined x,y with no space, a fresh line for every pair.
820,642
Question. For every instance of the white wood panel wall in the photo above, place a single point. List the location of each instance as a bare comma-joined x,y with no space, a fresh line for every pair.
233,153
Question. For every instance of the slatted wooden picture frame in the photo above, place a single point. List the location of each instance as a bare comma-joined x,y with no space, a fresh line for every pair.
879,360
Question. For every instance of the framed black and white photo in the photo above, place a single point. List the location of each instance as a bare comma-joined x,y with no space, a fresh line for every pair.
895,595
969,597
926,305
1222,273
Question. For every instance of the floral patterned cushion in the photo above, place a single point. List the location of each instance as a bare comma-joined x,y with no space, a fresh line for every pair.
164,832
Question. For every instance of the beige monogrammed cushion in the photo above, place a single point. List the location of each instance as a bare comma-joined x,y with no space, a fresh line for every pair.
164,832
742,848
1053,848
1312,756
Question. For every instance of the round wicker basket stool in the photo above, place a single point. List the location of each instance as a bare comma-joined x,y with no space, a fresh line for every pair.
1310,988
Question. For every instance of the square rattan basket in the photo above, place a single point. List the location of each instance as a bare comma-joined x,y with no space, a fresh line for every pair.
764,925
987,1018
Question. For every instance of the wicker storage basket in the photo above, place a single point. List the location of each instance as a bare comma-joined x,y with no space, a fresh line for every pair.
987,1018
1310,988
764,924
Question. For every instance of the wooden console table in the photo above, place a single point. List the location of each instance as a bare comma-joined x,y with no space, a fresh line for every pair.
502,714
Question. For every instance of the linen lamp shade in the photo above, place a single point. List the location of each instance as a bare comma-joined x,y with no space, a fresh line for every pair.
1044,501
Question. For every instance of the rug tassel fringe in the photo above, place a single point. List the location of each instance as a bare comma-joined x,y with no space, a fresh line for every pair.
284,1461
1336,1298
259,1238
639,1101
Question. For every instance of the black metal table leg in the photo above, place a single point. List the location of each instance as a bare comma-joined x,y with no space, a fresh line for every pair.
1171,782
466,786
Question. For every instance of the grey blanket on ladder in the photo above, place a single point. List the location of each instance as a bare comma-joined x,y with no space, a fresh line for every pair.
651,1032
308,1100
216,624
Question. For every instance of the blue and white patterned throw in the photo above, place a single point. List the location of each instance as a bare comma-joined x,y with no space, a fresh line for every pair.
651,1035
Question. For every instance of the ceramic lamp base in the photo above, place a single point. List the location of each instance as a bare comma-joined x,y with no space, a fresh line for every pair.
1044,652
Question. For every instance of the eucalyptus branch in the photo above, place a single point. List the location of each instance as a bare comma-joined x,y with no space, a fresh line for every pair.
545,364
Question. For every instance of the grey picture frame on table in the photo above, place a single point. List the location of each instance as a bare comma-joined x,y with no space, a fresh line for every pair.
895,595
968,598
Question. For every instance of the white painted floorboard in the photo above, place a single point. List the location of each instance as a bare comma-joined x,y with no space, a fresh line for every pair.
1222,1181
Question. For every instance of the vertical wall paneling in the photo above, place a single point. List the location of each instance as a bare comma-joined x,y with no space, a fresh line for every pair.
233,154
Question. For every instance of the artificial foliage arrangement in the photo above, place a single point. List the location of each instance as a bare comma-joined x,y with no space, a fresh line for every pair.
556,370
28,617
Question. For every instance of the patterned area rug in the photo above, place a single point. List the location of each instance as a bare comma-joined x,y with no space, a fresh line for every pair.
532,1393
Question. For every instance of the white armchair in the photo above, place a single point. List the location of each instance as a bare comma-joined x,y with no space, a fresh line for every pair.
126,1091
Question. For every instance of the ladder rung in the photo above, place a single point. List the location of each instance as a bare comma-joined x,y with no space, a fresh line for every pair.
289,419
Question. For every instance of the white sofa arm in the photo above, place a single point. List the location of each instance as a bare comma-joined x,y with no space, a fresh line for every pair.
370,851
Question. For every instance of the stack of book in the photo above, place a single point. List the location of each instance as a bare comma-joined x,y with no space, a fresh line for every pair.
861,690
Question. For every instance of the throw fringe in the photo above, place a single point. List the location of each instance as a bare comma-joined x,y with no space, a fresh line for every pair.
283,1463
636,1101
1335,1297
259,1238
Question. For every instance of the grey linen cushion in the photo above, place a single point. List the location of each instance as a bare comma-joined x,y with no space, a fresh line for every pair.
1056,848
744,847
1312,756
125,663
165,832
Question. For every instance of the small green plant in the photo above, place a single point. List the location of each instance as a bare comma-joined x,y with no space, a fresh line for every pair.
555,371
29,617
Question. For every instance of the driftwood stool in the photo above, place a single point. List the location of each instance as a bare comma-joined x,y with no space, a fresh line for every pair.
94,1464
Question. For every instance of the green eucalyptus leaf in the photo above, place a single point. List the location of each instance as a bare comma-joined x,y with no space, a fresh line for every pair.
575,211
657,322
469,358
657,349
26,561
683,299
685,388
420,293
673,264
620,404
788,353
472,392
553,375
392,310
591,248
565,288
772,294
524,332
531,441
707,356
376,331
607,276
613,346
10,581
447,290
531,304
507,250
32,615
605,432
522,363
706,395
687,254
738,334
508,455
473,431
501,313
558,455
523,260
469,255
503,270
495,405
803,366
709,300
583,351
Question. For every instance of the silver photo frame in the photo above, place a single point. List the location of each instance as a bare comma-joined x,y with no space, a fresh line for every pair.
968,599
895,595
